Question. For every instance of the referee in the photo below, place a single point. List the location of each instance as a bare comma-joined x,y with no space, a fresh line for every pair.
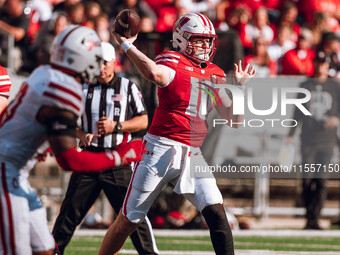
112,106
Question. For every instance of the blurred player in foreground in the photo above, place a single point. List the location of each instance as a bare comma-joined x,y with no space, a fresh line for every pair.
177,130
43,114
113,106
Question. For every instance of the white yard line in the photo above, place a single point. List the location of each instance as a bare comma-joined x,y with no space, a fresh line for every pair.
288,233
238,252
264,245
264,233
266,252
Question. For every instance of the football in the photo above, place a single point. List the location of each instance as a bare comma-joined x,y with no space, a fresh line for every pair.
127,23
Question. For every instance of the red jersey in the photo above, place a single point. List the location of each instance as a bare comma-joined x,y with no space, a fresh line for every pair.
293,64
294,35
309,7
5,82
185,102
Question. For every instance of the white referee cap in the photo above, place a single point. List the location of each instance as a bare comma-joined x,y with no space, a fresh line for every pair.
108,51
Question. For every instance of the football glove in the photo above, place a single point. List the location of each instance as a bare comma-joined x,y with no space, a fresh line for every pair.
130,152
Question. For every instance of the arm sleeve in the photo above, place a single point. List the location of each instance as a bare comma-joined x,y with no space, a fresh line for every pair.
86,161
70,158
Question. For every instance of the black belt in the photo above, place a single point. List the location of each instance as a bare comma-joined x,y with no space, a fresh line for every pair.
98,149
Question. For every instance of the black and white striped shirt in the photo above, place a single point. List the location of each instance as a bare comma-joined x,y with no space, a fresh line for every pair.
119,100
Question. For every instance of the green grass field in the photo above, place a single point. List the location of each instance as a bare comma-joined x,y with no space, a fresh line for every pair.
90,245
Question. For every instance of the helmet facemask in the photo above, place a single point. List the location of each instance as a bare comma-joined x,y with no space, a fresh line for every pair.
199,50
90,75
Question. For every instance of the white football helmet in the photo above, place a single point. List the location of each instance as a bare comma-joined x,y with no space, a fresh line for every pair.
194,25
77,50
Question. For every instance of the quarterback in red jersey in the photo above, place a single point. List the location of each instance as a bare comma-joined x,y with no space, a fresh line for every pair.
5,85
180,103
177,131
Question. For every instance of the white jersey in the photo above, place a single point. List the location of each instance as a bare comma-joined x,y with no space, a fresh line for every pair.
20,133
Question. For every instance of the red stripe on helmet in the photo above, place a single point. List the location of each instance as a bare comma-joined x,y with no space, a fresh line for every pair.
210,24
183,21
203,18
67,35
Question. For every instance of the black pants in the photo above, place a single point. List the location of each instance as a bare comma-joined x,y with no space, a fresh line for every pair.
82,192
314,191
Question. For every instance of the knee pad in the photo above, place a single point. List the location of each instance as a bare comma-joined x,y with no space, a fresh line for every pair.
220,232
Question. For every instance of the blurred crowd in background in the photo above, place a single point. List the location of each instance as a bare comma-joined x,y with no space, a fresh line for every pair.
278,37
